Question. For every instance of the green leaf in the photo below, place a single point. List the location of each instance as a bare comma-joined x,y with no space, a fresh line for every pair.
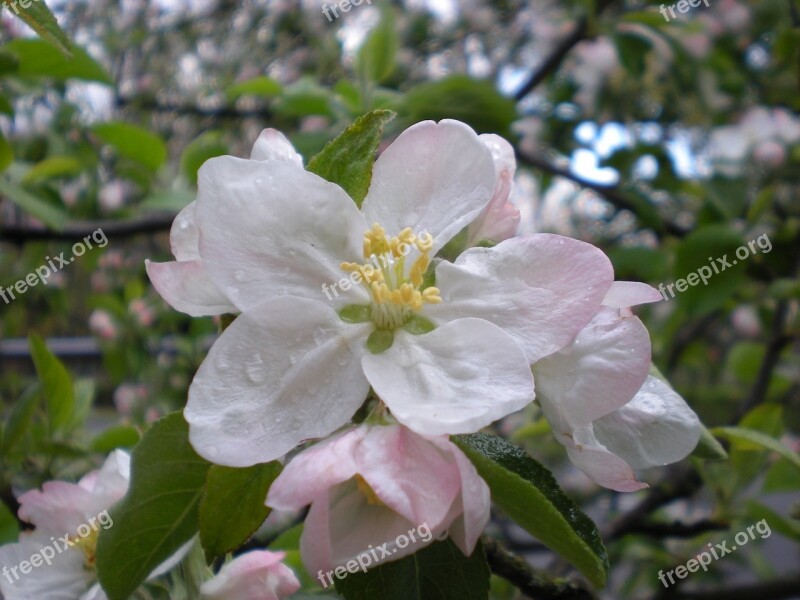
6,153
528,493
158,514
222,529
52,167
632,51
347,160
774,520
380,340
356,313
134,142
49,214
120,436
39,18
40,59
749,437
20,417
437,572
9,527
477,103
376,57
57,384
258,86
199,150
708,448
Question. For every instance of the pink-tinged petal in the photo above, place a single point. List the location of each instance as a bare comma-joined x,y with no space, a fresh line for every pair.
57,509
312,472
434,178
270,229
94,593
624,294
109,484
500,219
474,502
603,467
456,379
186,287
344,526
656,428
273,145
184,238
256,575
281,373
540,289
63,579
409,474
599,371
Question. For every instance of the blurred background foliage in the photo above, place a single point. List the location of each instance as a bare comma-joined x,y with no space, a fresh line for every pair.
666,143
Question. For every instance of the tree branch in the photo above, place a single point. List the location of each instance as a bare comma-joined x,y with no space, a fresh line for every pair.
529,581
611,193
114,229
676,529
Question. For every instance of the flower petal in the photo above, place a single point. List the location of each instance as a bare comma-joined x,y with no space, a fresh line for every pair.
309,474
270,229
184,238
624,294
281,373
500,219
456,379
598,372
434,178
656,428
258,574
186,287
271,144
57,509
540,289
605,468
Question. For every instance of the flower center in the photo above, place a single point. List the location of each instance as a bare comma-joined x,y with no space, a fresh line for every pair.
88,545
367,491
396,295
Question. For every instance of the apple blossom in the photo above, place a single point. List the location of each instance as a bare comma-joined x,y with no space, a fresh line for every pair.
372,484
445,359
500,219
602,404
256,575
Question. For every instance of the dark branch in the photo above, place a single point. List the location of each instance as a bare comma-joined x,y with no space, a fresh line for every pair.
554,60
529,581
777,589
680,482
611,193
222,112
19,234
676,529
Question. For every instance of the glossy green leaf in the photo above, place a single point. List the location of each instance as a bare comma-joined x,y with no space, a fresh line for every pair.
475,102
51,215
437,572
40,59
59,393
159,514
750,436
20,417
120,436
134,142
376,57
222,530
38,17
258,86
528,493
347,160
9,527
53,167
6,153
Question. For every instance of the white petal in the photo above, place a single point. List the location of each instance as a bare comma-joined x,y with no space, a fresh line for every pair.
604,468
273,145
598,372
186,287
656,428
184,237
269,229
456,379
624,294
434,178
281,373
541,289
